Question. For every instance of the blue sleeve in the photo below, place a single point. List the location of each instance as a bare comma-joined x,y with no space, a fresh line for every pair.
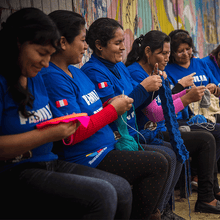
210,74
140,96
59,91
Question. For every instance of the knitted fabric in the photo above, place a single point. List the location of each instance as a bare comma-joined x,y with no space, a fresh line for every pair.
197,119
206,99
126,142
171,122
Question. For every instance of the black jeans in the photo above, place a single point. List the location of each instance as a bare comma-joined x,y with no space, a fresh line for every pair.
58,189
215,133
202,149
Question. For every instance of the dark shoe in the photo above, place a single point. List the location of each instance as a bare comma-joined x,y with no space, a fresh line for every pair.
163,217
217,197
170,215
156,215
206,208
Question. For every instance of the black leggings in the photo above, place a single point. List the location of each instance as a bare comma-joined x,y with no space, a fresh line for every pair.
146,171
202,148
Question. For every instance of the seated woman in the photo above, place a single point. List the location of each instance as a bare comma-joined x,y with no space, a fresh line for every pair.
154,49
213,62
34,184
145,171
111,78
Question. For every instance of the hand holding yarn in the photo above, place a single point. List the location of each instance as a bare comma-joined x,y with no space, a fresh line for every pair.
194,94
152,83
122,104
211,87
217,91
61,130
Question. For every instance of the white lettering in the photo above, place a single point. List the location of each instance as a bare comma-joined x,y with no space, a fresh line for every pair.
39,115
98,110
98,155
91,97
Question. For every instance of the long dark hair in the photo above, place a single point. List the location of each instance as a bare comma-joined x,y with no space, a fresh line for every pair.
178,37
69,23
26,25
154,39
214,54
102,29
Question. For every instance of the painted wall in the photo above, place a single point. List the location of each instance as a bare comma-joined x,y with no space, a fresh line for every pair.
199,17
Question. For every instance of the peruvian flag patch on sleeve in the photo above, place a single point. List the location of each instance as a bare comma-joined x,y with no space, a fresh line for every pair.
61,103
102,85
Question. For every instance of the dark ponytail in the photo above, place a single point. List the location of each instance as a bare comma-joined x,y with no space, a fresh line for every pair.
154,39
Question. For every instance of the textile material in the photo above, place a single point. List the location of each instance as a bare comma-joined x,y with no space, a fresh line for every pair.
210,112
171,122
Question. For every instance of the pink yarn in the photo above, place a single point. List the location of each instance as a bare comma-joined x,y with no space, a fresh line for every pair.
84,120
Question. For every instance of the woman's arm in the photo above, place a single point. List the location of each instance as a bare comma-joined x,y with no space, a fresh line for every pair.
118,106
14,145
181,100
154,112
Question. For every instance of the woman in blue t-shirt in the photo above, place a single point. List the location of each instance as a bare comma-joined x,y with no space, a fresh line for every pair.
146,171
148,51
213,62
111,78
34,184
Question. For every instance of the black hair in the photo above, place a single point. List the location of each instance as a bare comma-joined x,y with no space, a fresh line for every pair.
69,23
154,39
26,25
178,37
215,53
102,29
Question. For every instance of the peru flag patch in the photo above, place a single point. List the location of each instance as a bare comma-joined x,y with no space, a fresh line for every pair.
61,103
102,85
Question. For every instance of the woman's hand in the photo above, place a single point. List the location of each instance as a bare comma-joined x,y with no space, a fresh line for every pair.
193,95
211,87
14,145
159,72
152,83
122,104
62,130
217,91
187,80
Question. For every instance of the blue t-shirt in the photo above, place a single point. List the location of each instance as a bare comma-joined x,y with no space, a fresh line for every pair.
203,77
12,122
81,96
213,67
108,84
139,74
